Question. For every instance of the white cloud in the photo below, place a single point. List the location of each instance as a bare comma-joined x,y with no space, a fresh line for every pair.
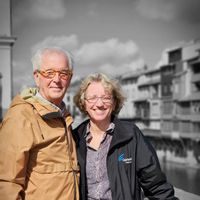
66,42
25,10
123,68
107,68
48,9
112,50
156,9
22,75
110,56
137,64
93,9
169,10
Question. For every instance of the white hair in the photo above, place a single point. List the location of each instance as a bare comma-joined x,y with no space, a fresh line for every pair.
37,56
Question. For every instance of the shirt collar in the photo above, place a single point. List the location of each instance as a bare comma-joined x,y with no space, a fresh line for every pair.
62,108
109,130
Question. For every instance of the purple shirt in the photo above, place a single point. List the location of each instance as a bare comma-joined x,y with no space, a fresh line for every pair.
96,170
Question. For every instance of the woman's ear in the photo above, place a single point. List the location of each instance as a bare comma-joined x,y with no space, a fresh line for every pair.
113,106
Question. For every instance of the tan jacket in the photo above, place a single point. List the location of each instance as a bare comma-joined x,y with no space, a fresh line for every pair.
37,153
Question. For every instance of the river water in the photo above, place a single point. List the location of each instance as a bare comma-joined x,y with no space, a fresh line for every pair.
182,176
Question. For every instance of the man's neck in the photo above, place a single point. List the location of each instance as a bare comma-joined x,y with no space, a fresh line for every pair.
61,106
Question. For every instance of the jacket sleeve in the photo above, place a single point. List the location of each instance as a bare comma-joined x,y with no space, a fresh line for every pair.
14,153
152,180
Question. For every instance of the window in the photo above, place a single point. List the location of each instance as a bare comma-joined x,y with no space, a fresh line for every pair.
196,107
185,108
196,68
185,127
167,126
196,127
175,55
176,88
176,126
167,107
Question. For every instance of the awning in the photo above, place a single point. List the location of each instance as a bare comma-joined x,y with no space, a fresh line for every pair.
191,97
150,82
142,99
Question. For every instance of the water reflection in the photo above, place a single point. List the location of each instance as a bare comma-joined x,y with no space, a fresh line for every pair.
182,176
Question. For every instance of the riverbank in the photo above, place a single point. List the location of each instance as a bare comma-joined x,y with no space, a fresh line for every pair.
168,156
182,176
183,195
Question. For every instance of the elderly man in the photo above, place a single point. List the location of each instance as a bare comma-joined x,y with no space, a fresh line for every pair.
37,153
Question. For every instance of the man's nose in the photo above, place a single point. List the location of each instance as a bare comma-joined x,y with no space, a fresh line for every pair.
56,77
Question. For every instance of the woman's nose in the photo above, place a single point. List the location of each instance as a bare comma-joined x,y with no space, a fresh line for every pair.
99,102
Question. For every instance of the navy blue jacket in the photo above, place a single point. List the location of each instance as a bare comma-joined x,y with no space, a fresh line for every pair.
132,164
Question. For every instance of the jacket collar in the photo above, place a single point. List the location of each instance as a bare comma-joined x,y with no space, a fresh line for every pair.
44,108
46,111
121,133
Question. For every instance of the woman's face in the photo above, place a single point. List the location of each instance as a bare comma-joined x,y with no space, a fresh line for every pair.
99,103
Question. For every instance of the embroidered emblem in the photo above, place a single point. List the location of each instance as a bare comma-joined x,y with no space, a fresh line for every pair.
121,158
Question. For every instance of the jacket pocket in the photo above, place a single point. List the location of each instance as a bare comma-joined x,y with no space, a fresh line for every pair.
55,167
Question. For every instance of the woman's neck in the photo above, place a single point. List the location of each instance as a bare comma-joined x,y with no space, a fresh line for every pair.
97,131
98,128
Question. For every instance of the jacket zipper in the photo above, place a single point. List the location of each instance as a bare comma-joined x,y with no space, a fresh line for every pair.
70,158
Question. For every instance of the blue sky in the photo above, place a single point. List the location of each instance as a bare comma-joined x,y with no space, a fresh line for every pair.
110,36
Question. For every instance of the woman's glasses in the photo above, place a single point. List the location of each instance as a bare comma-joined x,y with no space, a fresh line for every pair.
104,99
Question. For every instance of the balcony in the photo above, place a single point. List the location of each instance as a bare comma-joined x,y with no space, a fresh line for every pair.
195,78
192,97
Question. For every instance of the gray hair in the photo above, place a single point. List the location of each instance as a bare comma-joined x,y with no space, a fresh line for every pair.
37,56
111,85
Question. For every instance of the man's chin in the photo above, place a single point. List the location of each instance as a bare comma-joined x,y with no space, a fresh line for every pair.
56,90
57,96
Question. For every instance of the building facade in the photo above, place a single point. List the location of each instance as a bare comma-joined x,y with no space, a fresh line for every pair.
129,84
6,43
164,102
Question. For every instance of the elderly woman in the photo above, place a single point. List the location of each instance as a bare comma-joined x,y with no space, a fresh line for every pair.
117,162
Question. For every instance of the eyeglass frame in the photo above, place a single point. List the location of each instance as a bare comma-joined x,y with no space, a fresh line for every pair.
94,99
68,73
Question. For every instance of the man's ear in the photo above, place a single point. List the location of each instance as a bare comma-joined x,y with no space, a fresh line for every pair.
70,78
36,78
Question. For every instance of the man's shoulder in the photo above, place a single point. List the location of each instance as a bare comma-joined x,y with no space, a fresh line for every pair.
19,107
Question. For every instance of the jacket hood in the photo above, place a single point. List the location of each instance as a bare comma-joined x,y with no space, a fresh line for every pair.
44,108
24,97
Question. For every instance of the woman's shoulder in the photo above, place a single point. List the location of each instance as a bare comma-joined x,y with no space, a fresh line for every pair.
81,127
128,127
129,124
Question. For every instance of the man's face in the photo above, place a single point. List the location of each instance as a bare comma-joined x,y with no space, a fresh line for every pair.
53,89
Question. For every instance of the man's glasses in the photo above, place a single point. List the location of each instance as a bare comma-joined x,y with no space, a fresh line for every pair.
104,99
50,73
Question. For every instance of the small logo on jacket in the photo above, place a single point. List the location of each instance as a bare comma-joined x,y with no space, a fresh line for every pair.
121,158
